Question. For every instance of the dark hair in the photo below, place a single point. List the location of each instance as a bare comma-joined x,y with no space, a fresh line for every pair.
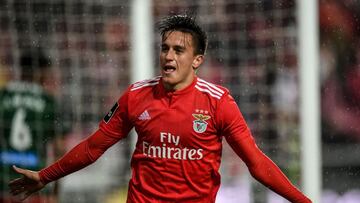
32,60
186,24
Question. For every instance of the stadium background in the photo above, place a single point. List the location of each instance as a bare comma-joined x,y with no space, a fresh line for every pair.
252,51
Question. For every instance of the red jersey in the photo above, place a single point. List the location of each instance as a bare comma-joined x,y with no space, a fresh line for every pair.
178,151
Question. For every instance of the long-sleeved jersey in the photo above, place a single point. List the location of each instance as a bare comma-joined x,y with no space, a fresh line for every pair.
178,151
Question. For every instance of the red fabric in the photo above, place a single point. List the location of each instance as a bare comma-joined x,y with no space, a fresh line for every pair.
82,155
264,170
178,152
259,165
90,149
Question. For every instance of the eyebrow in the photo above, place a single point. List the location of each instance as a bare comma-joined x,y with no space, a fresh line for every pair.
178,47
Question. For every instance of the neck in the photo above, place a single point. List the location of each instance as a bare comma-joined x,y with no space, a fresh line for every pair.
179,86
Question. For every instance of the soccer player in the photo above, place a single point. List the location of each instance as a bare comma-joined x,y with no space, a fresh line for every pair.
27,123
180,120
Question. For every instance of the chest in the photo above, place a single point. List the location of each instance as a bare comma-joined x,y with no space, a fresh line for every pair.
176,120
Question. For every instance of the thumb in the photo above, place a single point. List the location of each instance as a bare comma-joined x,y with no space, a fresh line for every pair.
27,173
19,170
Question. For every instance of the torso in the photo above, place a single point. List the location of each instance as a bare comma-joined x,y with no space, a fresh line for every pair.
178,149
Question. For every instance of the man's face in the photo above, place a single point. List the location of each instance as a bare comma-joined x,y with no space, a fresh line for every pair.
177,60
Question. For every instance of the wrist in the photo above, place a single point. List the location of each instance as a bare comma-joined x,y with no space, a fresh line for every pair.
42,177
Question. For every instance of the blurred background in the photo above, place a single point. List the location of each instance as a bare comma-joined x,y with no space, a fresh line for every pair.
253,51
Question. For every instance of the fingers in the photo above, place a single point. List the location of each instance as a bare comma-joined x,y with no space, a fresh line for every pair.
16,186
19,185
19,170
22,191
28,175
17,191
16,182
26,185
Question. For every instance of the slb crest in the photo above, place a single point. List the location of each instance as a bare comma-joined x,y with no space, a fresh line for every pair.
200,124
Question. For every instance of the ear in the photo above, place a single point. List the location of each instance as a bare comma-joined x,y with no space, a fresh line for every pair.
198,60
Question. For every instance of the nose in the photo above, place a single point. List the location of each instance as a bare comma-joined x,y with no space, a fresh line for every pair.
169,56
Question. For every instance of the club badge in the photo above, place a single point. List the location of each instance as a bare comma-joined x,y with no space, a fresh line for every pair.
200,124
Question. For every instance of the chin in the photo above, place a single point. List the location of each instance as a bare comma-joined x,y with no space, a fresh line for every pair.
169,81
168,77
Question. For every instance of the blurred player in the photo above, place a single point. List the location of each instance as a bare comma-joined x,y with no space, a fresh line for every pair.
180,120
27,115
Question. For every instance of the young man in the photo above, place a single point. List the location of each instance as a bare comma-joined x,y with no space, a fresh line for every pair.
181,121
27,123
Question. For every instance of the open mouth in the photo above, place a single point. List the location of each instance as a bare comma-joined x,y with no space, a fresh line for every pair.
169,69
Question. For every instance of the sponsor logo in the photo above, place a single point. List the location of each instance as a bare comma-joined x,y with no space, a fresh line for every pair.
171,148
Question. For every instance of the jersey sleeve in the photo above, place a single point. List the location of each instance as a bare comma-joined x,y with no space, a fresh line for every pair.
230,120
116,122
82,155
115,125
236,132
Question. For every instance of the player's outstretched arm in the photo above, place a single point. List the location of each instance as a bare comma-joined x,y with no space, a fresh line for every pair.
239,137
28,184
82,155
266,171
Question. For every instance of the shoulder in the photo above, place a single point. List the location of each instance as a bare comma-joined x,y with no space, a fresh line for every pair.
213,90
144,84
141,88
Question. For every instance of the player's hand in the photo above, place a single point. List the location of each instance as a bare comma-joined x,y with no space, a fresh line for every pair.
26,185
